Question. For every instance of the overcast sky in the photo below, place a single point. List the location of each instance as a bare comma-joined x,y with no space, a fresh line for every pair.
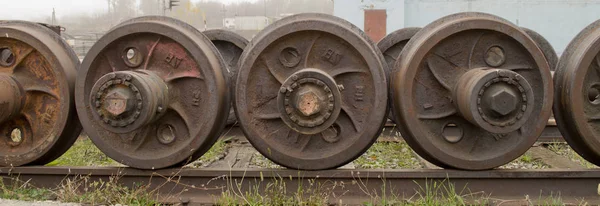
36,9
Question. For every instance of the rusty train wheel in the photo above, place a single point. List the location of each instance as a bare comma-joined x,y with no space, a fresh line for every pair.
37,73
545,46
471,91
577,85
311,93
152,93
391,46
230,46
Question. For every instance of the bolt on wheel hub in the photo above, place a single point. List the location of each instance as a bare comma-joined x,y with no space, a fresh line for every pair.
309,101
471,91
127,100
497,100
152,93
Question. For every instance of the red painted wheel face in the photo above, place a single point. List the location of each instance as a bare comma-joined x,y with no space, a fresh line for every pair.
153,93
311,93
471,91
577,84
36,70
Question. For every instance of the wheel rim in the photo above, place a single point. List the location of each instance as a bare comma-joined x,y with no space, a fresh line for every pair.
441,119
230,46
391,46
38,71
545,46
576,81
290,61
160,105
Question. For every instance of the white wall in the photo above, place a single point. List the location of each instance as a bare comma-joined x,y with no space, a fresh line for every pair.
557,20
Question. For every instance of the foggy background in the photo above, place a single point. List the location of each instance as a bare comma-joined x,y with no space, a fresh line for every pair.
77,15
85,21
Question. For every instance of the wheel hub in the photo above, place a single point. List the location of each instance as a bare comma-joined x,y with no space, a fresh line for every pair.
11,98
499,101
127,100
309,101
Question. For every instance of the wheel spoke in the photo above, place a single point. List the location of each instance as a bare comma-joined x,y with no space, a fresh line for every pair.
439,115
593,118
139,135
273,134
309,50
267,63
346,70
269,101
113,68
179,109
444,71
293,135
297,138
151,52
20,58
40,88
517,67
269,116
346,108
597,65
191,74
29,118
304,141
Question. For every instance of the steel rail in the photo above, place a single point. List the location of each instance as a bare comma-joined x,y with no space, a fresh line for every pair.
204,186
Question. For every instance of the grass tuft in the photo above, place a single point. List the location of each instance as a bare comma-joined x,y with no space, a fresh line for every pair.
388,155
79,190
275,192
216,152
563,149
83,153
20,190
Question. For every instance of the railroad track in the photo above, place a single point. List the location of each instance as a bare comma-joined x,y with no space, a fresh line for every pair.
469,91
203,186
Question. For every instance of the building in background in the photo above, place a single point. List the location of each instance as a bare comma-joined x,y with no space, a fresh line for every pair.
557,20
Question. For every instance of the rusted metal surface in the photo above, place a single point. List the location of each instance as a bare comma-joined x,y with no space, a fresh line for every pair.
230,46
391,46
577,99
304,60
37,114
354,187
471,91
545,46
376,23
390,133
152,93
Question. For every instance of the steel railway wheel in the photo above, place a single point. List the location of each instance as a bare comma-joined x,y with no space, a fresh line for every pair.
311,93
230,46
471,91
577,100
37,74
391,46
545,46
152,93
